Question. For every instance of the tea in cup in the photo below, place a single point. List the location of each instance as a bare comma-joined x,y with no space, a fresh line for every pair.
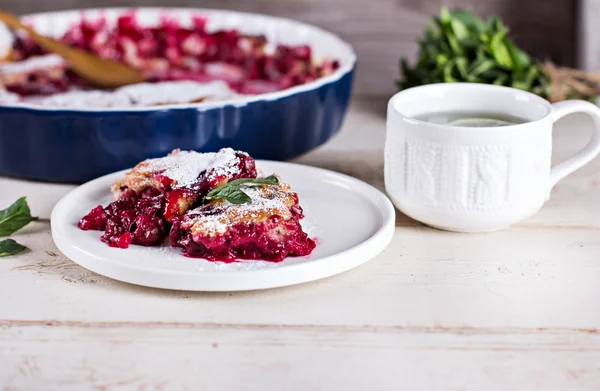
473,157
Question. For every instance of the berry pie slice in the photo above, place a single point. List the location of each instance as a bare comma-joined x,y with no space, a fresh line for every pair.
266,226
209,204
156,191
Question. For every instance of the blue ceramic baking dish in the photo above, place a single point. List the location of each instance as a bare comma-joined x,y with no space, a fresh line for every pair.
38,142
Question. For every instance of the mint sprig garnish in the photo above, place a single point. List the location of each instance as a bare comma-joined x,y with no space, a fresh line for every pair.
15,217
232,191
10,247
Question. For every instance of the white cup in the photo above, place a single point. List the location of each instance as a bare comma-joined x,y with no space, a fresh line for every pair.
476,179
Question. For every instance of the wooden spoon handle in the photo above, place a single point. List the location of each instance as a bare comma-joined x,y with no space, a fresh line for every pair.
50,44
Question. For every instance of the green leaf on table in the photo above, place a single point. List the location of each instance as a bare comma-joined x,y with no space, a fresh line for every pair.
9,247
15,217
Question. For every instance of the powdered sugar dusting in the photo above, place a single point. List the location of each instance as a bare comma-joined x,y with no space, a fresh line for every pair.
184,167
225,163
142,94
169,92
267,200
9,97
32,64
82,99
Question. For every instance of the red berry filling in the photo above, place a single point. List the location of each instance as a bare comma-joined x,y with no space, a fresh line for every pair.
95,220
129,220
272,240
144,218
266,228
173,52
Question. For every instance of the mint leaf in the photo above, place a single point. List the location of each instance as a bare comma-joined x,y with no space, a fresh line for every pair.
470,20
233,193
500,51
460,29
519,57
15,217
445,16
270,180
236,196
10,247
480,66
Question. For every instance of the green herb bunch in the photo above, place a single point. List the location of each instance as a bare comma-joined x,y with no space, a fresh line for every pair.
460,47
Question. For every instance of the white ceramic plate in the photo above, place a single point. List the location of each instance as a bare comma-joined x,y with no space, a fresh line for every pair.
351,221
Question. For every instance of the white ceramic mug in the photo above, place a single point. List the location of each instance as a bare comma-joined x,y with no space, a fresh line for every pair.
471,179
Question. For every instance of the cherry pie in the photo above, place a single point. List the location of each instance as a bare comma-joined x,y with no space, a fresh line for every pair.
173,196
168,52
266,228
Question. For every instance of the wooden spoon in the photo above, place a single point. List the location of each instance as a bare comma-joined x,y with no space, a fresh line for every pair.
98,71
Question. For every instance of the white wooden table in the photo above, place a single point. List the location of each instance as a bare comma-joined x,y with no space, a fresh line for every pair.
516,309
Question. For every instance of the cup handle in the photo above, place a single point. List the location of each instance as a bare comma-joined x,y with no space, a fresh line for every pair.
590,151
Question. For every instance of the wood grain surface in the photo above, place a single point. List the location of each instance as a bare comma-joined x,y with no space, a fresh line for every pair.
150,357
381,31
516,309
